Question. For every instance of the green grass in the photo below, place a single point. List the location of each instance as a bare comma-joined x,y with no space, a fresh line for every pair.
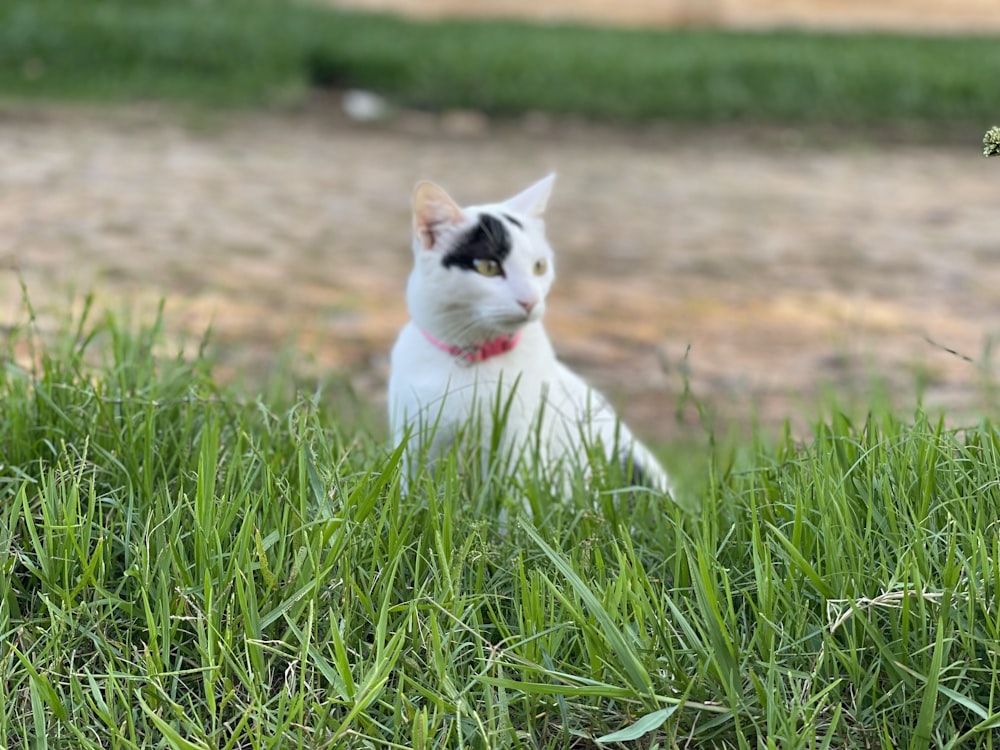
183,567
253,52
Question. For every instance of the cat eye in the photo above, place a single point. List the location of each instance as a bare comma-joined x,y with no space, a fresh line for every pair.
488,267
540,267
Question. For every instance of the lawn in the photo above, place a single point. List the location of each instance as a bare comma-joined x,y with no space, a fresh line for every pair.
187,566
254,52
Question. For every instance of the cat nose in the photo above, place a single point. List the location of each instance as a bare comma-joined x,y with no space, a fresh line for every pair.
527,305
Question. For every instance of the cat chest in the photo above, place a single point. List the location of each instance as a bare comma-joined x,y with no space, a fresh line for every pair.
478,389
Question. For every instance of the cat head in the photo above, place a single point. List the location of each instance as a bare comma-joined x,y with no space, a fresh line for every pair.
482,271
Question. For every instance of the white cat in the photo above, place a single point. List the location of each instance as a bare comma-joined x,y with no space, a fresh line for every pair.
475,344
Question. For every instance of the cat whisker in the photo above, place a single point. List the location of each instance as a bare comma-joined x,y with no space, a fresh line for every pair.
460,328
490,322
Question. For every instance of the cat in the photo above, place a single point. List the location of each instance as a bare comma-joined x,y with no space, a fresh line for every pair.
475,345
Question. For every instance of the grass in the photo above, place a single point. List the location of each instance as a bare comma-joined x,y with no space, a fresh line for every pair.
185,567
182,566
252,52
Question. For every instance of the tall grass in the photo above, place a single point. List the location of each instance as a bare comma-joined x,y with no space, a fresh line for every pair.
250,52
185,567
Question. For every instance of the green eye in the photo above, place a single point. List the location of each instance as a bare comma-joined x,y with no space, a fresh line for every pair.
488,267
541,266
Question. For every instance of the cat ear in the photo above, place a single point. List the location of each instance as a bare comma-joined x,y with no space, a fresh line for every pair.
433,212
533,200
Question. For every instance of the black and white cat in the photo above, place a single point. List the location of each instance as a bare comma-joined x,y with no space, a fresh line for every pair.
476,298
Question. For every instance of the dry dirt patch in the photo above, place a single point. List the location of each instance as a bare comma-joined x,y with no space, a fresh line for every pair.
914,15
783,267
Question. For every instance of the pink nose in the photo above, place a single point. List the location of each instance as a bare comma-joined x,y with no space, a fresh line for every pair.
528,305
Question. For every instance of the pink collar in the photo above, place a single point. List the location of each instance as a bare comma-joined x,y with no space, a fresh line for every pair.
481,352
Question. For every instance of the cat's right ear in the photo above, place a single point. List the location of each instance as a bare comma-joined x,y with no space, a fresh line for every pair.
434,212
532,200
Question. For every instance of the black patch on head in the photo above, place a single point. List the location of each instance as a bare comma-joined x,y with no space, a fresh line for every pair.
488,240
513,221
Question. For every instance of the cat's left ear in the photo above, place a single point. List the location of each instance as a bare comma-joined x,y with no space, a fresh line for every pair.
434,212
533,200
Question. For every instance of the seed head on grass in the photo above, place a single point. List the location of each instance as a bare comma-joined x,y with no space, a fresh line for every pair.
991,142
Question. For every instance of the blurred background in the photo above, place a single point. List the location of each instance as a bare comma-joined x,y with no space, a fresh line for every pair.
759,202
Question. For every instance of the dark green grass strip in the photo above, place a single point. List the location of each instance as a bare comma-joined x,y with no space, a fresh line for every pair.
257,52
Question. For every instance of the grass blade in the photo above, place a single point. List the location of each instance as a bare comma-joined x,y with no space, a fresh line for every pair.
623,650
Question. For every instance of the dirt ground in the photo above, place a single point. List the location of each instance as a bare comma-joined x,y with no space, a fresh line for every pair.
759,268
916,15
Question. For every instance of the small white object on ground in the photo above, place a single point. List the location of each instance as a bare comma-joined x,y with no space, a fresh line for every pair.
364,106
